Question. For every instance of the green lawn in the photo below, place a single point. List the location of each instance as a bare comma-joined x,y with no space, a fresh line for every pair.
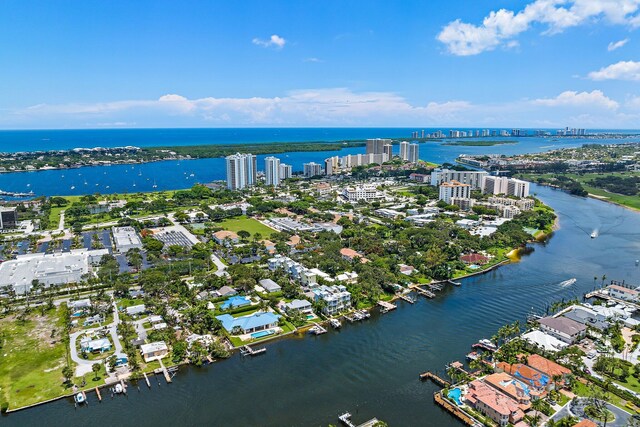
583,390
31,360
247,224
54,217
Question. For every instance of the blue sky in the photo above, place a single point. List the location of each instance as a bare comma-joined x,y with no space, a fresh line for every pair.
536,63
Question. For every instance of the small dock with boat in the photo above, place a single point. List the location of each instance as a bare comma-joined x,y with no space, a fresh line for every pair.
317,329
428,375
386,307
246,350
346,420
424,292
408,298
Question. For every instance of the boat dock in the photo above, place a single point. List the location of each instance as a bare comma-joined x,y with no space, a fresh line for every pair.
407,298
454,283
146,378
164,371
346,420
248,351
386,306
317,329
455,411
424,292
428,375
98,394
483,347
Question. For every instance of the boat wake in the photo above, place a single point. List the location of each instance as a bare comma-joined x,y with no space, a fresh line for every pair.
568,282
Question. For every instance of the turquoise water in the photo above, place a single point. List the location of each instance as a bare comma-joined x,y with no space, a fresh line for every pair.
455,394
261,334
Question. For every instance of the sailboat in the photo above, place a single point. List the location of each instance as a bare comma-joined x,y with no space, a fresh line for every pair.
154,184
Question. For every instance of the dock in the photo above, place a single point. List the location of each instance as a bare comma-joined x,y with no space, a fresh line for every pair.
455,411
407,298
424,292
124,386
248,351
98,394
317,329
346,420
146,378
386,306
164,371
428,375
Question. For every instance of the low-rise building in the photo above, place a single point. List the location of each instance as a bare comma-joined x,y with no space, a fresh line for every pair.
453,189
226,237
270,286
299,305
99,345
366,192
126,238
336,297
564,329
493,404
349,254
626,294
255,322
154,351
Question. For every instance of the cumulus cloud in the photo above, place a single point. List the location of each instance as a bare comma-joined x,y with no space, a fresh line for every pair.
313,59
617,45
623,70
571,98
274,41
499,28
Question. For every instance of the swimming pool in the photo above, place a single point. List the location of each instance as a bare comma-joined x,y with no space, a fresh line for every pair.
261,334
455,394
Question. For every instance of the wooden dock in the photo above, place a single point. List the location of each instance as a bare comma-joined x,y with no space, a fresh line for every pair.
346,420
98,394
455,411
424,292
317,329
167,377
407,298
146,378
248,351
428,375
386,306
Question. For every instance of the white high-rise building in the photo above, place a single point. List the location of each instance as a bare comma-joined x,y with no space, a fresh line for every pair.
241,171
504,185
312,169
376,145
414,153
272,171
388,151
404,150
518,188
286,171
473,178
332,165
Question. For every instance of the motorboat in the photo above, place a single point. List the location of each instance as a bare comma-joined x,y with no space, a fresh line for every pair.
118,388
335,323
80,398
568,282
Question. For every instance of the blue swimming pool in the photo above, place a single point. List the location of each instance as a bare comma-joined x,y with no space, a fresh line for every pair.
455,394
262,334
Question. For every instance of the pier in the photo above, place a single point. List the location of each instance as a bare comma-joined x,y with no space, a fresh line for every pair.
407,298
428,375
455,411
424,292
98,394
146,378
164,371
346,420
386,306
248,351
316,329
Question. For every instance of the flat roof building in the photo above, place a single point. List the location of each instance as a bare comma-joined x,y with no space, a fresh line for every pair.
126,238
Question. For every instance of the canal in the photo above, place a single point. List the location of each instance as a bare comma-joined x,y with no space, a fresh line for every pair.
371,368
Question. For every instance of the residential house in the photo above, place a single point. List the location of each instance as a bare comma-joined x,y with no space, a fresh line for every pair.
300,305
546,366
336,297
225,291
235,301
474,258
623,293
153,351
270,286
95,346
226,238
349,254
255,322
407,270
564,329
493,404
512,387
136,310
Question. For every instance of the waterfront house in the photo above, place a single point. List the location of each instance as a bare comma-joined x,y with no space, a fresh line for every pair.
226,238
493,404
270,286
512,387
474,258
544,341
534,380
236,301
300,305
407,270
347,277
336,297
587,317
154,350
620,292
136,310
254,322
564,329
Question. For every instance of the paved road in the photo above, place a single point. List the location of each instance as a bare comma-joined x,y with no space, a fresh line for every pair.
220,265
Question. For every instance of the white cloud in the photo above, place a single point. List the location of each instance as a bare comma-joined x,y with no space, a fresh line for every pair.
593,99
623,70
273,41
617,45
502,26
313,59
333,107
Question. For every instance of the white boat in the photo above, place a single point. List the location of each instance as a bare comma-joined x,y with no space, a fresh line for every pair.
472,356
118,388
335,323
568,282
79,397
594,234
487,343
73,187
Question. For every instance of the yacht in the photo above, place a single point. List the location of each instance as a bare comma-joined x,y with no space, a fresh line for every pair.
335,323
594,234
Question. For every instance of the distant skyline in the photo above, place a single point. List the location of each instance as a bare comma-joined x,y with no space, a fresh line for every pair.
117,64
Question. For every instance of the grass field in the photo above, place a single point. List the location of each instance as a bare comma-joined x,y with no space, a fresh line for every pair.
247,224
31,360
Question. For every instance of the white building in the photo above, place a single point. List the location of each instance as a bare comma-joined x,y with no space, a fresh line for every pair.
286,171
336,297
518,188
312,169
365,192
126,238
504,185
388,151
332,165
272,171
376,145
49,269
242,171
472,178
454,189
414,153
404,150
